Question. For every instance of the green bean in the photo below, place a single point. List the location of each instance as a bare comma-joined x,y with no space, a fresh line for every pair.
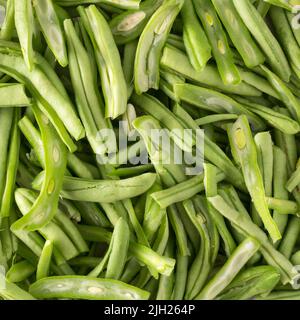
279,182
8,24
153,213
251,54
201,266
195,40
50,231
6,120
178,228
215,118
87,98
51,96
69,209
288,242
150,45
24,25
230,269
213,152
218,40
124,4
55,163
251,282
128,64
85,262
162,265
90,289
11,291
182,191
260,31
20,271
13,95
244,146
263,8
155,108
44,261
248,228
12,166
180,277
283,206
119,250
283,3
52,31
108,60
166,283
104,191
282,295
174,60
214,101
129,25
285,35
258,82
276,119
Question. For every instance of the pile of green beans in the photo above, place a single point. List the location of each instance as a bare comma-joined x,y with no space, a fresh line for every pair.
81,217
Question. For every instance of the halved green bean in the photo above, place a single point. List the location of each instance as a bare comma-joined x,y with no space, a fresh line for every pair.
108,61
51,28
150,46
245,45
46,205
195,40
218,40
90,289
129,25
263,35
244,146
175,60
105,191
44,261
24,25
248,228
230,269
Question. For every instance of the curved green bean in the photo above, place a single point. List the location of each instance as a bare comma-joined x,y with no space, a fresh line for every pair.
43,266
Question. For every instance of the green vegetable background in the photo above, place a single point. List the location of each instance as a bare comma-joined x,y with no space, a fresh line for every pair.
75,223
